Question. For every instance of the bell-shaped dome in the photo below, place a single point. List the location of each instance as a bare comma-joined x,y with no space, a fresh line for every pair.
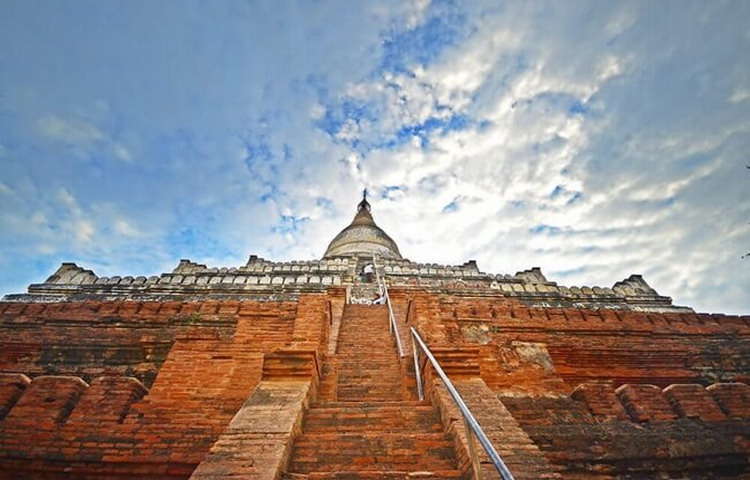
362,237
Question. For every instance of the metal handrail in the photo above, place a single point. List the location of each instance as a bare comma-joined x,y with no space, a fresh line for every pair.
472,426
473,429
391,316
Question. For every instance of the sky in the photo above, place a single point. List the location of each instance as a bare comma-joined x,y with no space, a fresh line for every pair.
592,139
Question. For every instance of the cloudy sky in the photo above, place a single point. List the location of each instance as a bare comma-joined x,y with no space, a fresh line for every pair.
592,139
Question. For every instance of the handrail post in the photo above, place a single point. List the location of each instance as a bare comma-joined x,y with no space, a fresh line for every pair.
392,327
417,370
390,323
472,451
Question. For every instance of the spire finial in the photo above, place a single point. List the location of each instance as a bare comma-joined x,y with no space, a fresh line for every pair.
364,203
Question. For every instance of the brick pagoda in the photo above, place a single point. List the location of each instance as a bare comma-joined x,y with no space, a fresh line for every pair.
283,370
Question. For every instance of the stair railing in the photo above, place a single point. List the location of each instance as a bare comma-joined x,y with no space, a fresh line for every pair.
472,427
393,326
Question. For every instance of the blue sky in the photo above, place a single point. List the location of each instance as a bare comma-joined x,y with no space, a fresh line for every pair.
593,139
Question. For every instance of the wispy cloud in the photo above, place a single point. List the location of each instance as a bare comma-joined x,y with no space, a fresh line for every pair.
594,140
73,131
82,137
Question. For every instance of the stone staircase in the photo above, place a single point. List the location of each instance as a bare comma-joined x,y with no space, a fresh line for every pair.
368,364
367,423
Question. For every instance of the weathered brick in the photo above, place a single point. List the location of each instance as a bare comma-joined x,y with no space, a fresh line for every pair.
601,400
47,401
645,403
694,401
12,385
734,398
107,399
202,360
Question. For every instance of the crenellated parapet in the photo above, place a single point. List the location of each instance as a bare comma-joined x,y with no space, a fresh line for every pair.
549,294
255,263
633,286
262,279
186,267
532,275
405,267
71,274
529,286
257,280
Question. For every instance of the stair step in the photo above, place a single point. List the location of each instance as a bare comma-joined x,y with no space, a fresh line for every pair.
371,463
361,355
424,415
361,388
349,359
371,395
329,407
399,404
385,378
384,350
383,448
364,387
393,420
375,475
390,412
385,436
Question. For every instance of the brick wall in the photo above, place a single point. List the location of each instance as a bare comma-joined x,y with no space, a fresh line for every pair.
95,420
91,339
682,431
602,393
148,389
585,345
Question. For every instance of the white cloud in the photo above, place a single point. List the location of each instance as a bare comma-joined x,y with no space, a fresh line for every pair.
68,199
84,230
415,13
635,223
72,131
122,153
740,95
621,21
123,227
84,137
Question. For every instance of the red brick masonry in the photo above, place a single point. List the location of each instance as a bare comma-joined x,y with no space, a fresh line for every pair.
160,390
